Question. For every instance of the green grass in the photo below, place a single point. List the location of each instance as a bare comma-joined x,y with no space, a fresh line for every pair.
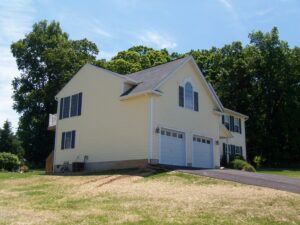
17,175
167,198
291,172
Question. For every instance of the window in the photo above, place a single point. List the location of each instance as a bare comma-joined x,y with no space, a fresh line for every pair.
66,107
188,96
237,125
226,121
232,149
70,106
68,140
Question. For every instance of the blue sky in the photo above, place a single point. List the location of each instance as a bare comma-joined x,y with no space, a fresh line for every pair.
116,25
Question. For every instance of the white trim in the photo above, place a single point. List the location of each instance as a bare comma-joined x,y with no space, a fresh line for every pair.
201,77
229,111
150,127
172,73
184,96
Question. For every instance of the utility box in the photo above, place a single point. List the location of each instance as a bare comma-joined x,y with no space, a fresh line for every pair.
77,166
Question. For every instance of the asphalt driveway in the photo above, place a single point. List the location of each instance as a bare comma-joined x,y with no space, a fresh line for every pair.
265,180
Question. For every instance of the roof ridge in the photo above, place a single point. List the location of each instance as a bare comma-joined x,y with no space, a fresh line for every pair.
129,74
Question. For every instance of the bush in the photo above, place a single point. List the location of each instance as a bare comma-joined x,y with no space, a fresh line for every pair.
258,161
9,161
240,164
249,168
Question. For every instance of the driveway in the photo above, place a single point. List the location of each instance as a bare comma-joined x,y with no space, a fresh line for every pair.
279,182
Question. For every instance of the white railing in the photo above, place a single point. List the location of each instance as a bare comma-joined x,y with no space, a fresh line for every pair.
52,120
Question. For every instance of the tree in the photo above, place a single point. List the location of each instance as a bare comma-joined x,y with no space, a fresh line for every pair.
135,59
6,137
260,80
47,60
9,142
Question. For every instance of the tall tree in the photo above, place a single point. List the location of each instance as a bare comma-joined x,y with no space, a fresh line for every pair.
9,142
136,58
47,59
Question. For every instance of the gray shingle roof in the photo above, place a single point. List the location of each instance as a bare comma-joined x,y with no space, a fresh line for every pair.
149,78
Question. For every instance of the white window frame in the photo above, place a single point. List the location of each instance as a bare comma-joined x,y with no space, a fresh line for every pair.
185,97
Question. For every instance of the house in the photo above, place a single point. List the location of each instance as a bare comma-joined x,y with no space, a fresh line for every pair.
167,114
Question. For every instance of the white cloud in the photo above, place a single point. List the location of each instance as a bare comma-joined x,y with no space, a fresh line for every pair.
101,32
237,22
16,18
153,38
226,3
8,69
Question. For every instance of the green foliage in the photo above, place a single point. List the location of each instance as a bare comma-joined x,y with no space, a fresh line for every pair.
240,164
260,80
258,161
47,60
9,161
135,59
10,142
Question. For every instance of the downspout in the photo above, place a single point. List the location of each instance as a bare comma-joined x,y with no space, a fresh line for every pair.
150,128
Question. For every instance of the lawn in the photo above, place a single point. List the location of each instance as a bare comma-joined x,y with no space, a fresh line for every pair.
140,197
292,172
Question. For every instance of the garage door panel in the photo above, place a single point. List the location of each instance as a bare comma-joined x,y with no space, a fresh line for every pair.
202,152
172,148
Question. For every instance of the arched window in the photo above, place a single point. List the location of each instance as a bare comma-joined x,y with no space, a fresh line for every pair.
188,95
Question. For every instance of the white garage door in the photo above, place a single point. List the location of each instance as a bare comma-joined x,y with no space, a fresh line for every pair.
202,152
172,148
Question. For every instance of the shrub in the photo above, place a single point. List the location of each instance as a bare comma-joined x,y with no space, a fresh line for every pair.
240,164
258,160
249,168
24,169
9,161
237,164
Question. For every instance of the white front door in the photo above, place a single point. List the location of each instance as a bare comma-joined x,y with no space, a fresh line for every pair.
202,152
172,148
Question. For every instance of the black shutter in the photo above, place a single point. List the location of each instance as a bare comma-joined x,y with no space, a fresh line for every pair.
222,119
196,106
66,112
240,129
79,103
181,97
73,139
74,105
241,150
61,108
231,123
63,140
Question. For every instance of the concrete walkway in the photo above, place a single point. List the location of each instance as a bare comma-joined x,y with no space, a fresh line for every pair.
279,182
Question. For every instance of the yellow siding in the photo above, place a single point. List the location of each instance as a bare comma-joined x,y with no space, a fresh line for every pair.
168,114
108,129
